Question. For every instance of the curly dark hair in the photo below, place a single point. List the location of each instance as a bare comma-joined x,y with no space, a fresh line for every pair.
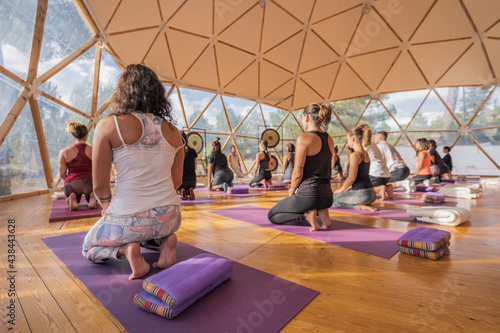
139,89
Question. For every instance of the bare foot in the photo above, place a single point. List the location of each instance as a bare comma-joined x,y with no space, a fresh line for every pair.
381,192
311,218
73,204
367,207
92,201
191,194
390,191
325,218
132,251
168,252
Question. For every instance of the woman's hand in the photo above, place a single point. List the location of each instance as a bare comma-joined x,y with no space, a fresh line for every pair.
209,187
338,191
291,191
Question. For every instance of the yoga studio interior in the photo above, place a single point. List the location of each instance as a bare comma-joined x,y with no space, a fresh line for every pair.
259,106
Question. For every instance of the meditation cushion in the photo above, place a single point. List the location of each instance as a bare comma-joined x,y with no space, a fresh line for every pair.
451,181
423,188
451,216
425,242
434,255
238,190
433,197
277,187
468,191
174,289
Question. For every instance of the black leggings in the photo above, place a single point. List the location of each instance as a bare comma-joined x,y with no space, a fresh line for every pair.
293,208
79,187
419,179
263,174
187,184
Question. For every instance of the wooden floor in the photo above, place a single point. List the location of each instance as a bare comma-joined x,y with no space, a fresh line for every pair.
358,292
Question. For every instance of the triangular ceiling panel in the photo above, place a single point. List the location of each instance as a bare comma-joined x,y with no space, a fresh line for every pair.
404,75
132,46
372,34
251,23
326,8
373,74
103,10
129,16
338,30
321,79
230,62
250,77
303,95
185,49
301,9
271,77
158,57
315,53
286,104
492,48
283,92
494,31
278,26
404,15
203,73
347,84
433,115
287,54
446,20
169,7
484,13
199,11
435,58
472,65
226,12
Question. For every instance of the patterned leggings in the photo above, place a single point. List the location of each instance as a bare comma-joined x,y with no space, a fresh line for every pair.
110,232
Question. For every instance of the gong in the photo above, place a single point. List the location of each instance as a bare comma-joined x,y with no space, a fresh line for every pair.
273,163
195,141
272,137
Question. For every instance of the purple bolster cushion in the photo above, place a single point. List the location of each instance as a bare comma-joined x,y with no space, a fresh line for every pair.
452,181
174,289
423,188
239,190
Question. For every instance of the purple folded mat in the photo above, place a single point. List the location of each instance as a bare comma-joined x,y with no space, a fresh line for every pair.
375,241
423,188
239,189
176,288
60,211
230,307
205,190
452,181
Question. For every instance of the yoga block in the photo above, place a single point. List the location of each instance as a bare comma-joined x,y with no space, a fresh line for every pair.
424,238
238,190
451,181
423,188
277,187
174,289
433,197
434,255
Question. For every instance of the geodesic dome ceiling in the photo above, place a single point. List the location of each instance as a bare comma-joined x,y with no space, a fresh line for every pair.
288,53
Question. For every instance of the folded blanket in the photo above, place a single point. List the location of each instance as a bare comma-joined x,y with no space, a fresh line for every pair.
468,191
490,182
434,255
58,195
433,197
238,190
451,216
171,291
424,238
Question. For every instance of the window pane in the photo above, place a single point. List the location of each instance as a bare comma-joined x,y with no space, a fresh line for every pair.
403,105
17,22
490,113
350,110
470,160
237,109
377,118
108,78
9,91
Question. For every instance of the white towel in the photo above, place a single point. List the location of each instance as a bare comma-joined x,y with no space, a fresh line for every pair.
490,182
58,195
468,191
451,216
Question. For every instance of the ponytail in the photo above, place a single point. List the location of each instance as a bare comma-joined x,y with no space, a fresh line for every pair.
216,145
264,143
367,135
321,114
77,129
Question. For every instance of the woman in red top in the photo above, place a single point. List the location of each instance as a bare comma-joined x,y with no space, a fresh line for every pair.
75,167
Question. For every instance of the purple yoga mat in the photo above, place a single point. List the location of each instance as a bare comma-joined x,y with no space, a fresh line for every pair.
250,301
375,241
60,211
417,202
205,190
197,200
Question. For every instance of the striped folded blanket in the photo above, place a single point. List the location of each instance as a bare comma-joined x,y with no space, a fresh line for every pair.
174,289
424,238
433,197
434,255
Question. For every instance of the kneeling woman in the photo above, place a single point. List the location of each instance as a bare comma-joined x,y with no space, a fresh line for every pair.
288,162
362,193
75,168
189,172
262,160
218,169
422,162
310,193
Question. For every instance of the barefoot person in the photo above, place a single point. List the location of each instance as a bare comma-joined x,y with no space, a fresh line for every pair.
186,190
75,168
234,163
147,153
262,175
310,194
220,176
288,161
357,191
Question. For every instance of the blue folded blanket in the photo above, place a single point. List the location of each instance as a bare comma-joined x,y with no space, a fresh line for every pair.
174,289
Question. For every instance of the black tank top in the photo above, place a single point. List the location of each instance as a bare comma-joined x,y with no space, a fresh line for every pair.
317,171
362,180
264,163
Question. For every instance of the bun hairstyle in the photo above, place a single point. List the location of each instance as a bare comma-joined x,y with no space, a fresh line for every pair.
264,143
321,114
367,135
424,144
290,148
216,147
357,133
77,129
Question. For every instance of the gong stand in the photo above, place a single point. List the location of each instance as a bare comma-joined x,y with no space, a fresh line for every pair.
261,134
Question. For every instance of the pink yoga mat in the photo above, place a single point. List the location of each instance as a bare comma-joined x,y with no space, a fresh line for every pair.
205,190
384,212
375,241
250,301
197,200
60,211
417,202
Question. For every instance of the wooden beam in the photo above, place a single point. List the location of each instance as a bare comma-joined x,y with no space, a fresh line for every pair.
13,76
97,70
36,45
483,128
480,107
69,59
22,195
484,151
14,113
182,106
225,143
42,144
225,114
241,122
61,103
87,16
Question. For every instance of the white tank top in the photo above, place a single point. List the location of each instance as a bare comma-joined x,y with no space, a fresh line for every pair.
143,170
234,162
